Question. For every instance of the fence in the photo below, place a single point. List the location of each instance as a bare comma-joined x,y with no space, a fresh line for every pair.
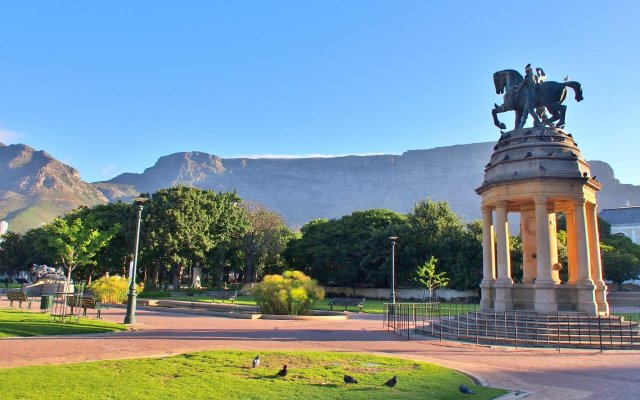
466,322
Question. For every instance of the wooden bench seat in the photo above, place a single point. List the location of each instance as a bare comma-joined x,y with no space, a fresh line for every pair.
86,302
20,297
223,295
346,302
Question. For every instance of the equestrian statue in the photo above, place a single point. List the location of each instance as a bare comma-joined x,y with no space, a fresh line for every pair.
532,95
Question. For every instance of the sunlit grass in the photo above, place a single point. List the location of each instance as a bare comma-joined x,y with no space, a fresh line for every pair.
227,375
26,323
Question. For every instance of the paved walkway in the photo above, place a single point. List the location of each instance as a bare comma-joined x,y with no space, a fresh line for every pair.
572,374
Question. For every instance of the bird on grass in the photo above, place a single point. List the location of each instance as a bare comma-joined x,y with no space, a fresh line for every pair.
465,390
391,382
349,380
256,362
283,371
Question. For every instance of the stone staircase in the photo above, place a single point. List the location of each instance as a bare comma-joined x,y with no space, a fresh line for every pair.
530,329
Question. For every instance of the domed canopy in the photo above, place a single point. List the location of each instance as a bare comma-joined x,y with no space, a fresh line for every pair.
536,153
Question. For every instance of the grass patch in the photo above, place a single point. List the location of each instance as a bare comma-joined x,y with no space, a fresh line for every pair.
227,375
16,323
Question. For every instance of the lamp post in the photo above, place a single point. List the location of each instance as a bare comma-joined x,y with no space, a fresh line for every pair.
130,318
393,269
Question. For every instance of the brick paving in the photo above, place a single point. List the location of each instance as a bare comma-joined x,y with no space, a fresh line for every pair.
545,374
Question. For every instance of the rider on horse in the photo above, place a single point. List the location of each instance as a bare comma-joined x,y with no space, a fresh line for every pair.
529,84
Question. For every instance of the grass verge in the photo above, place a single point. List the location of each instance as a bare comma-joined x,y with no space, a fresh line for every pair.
16,323
227,375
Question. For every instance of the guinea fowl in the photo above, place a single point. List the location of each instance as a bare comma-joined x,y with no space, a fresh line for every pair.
349,379
391,382
465,390
283,371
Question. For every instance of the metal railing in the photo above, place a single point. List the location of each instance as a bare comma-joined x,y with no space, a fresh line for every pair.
466,322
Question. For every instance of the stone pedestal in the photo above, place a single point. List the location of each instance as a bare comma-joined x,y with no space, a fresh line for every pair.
587,298
545,297
503,299
488,295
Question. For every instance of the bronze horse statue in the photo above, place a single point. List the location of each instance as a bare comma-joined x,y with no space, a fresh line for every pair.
549,95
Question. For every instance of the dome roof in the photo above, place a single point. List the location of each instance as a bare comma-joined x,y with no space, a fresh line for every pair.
535,153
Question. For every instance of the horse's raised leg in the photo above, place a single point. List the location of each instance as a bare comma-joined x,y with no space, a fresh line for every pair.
498,109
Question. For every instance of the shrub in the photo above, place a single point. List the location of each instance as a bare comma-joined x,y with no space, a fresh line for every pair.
292,293
154,294
112,289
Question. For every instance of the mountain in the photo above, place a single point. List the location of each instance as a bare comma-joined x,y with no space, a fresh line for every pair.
307,188
35,188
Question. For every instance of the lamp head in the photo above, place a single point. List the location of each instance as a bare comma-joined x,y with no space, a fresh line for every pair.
393,238
140,200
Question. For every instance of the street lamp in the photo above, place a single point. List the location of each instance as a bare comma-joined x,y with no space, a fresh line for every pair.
393,268
130,318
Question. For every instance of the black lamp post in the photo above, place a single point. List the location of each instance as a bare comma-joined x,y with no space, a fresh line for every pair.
393,269
130,318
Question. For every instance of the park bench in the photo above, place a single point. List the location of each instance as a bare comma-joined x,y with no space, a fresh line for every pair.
20,297
346,302
84,303
223,295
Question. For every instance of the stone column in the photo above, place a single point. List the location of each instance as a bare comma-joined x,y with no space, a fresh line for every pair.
596,259
545,297
504,283
488,260
571,246
553,246
528,234
585,286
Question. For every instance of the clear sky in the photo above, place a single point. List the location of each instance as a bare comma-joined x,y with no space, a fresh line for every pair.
110,86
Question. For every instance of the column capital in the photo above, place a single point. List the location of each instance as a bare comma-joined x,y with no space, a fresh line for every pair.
579,202
540,199
591,206
486,209
501,204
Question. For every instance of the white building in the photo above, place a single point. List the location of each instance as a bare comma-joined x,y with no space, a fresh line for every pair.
625,220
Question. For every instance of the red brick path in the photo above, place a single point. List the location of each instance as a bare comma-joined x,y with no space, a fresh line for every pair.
572,374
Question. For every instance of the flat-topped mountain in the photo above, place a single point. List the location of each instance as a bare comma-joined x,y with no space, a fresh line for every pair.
306,188
35,187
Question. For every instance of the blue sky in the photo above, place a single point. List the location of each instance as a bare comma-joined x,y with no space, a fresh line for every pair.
109,87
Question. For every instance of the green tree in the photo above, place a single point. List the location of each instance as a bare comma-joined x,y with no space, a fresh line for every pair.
13,254
75,243
263,242
184,224
426,275
620,258
115,257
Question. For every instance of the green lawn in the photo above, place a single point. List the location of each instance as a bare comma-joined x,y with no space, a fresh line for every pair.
227,375
371,306
25,323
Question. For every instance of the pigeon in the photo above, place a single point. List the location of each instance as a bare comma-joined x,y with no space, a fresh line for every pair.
256,362
283,371
391,382
566,78
349,379
465,390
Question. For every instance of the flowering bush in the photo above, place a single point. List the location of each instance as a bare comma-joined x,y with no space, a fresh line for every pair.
292,293
112,289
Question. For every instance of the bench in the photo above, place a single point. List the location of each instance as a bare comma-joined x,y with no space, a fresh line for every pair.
223,295
86,302
346,302
20,297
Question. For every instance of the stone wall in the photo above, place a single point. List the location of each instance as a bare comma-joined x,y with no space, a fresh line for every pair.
401,294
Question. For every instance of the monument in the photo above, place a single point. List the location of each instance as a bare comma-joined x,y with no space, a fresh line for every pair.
538,172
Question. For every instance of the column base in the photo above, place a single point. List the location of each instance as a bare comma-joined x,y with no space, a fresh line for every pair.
502,291
545,297
601,298
487,294
587,299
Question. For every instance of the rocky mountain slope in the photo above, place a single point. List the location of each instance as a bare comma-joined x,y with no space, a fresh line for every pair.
35,187
308,188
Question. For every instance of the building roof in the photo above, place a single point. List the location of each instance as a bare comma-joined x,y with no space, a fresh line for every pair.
622,215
